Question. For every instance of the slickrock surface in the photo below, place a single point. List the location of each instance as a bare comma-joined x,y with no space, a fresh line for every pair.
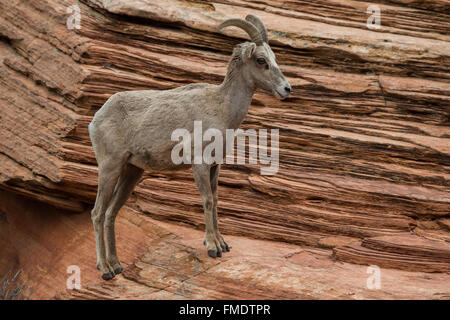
364,142
166,261
176,266
407,252
47,241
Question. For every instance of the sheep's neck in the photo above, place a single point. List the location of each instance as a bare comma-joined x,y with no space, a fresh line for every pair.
237,92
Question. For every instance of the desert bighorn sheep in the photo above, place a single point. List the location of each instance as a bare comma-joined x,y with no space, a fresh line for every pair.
132,132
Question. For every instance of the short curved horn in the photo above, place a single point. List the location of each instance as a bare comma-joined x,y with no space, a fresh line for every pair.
259,25
248,27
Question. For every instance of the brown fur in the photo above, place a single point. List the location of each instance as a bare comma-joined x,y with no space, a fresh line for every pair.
132,133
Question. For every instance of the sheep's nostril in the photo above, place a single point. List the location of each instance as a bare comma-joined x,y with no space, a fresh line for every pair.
287,89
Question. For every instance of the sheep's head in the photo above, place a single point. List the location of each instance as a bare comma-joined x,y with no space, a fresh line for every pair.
259,60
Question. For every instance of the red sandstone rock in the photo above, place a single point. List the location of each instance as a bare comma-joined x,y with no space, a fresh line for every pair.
176,267
403,251
364,139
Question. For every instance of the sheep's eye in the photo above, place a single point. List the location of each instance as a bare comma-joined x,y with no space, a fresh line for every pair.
261,61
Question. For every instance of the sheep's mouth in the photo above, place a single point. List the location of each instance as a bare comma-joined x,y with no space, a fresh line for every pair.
278,95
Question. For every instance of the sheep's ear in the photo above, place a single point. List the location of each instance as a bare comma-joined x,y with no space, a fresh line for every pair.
249,51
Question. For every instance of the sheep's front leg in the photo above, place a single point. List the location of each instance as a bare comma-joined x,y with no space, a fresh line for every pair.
214,181
202,179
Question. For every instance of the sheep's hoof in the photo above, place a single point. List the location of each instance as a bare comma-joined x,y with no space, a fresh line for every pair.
108,276
214,253
226,248
118,270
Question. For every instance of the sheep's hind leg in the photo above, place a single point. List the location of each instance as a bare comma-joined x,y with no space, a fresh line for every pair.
128,179
214,181
109,170
202,179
